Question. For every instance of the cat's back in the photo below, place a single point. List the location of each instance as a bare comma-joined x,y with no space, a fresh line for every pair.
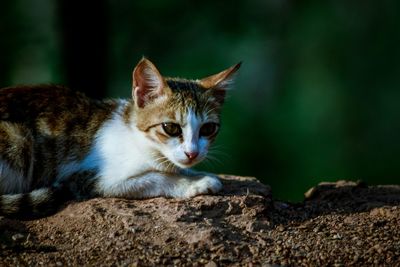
25,104
22,103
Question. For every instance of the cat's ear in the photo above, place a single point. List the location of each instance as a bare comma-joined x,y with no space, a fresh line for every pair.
222,80
148,83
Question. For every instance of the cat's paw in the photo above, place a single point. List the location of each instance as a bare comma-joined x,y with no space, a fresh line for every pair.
208,184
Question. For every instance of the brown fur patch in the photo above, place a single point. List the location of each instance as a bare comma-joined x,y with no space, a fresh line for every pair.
52,122
16,145
163,138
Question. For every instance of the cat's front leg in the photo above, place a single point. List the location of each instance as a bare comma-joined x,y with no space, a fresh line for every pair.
154,184
201,183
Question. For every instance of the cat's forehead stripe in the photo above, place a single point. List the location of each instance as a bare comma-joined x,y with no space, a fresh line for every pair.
188,94
183,85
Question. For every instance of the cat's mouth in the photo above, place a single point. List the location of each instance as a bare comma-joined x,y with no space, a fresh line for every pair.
187,163
180,161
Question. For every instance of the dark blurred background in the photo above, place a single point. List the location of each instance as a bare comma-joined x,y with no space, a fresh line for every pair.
317,97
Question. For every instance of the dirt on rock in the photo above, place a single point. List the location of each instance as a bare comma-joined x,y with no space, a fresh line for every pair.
338,224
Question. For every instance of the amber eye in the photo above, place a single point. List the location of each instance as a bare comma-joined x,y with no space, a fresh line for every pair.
172,129
209,129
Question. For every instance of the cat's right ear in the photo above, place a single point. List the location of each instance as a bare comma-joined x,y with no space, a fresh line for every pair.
147,83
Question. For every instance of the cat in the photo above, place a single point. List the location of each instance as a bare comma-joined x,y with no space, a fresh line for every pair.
57,145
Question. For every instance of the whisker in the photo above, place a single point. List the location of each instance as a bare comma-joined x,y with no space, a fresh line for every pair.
208,163
214,159
215,153
161,162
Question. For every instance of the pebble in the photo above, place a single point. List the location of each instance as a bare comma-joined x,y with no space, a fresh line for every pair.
17,237
211,264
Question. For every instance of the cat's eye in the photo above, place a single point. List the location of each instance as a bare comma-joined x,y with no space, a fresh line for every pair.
172,129
209,129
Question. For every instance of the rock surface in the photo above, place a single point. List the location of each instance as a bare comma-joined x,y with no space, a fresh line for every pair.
342,223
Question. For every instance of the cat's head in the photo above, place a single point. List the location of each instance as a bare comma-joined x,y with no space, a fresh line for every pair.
180,117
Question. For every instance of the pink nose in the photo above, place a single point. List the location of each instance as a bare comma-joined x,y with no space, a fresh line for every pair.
192,155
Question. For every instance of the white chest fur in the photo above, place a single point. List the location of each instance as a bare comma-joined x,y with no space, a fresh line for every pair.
119,152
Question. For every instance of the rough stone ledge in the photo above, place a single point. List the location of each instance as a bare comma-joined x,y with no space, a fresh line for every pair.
342,223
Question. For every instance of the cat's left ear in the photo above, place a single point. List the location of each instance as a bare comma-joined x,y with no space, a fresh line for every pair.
148,83
222,80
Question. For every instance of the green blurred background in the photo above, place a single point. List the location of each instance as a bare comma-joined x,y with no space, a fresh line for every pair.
317,97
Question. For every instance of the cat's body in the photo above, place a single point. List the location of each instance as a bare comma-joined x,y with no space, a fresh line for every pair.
57,144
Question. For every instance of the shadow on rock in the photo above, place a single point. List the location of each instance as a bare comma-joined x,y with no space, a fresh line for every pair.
15,238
